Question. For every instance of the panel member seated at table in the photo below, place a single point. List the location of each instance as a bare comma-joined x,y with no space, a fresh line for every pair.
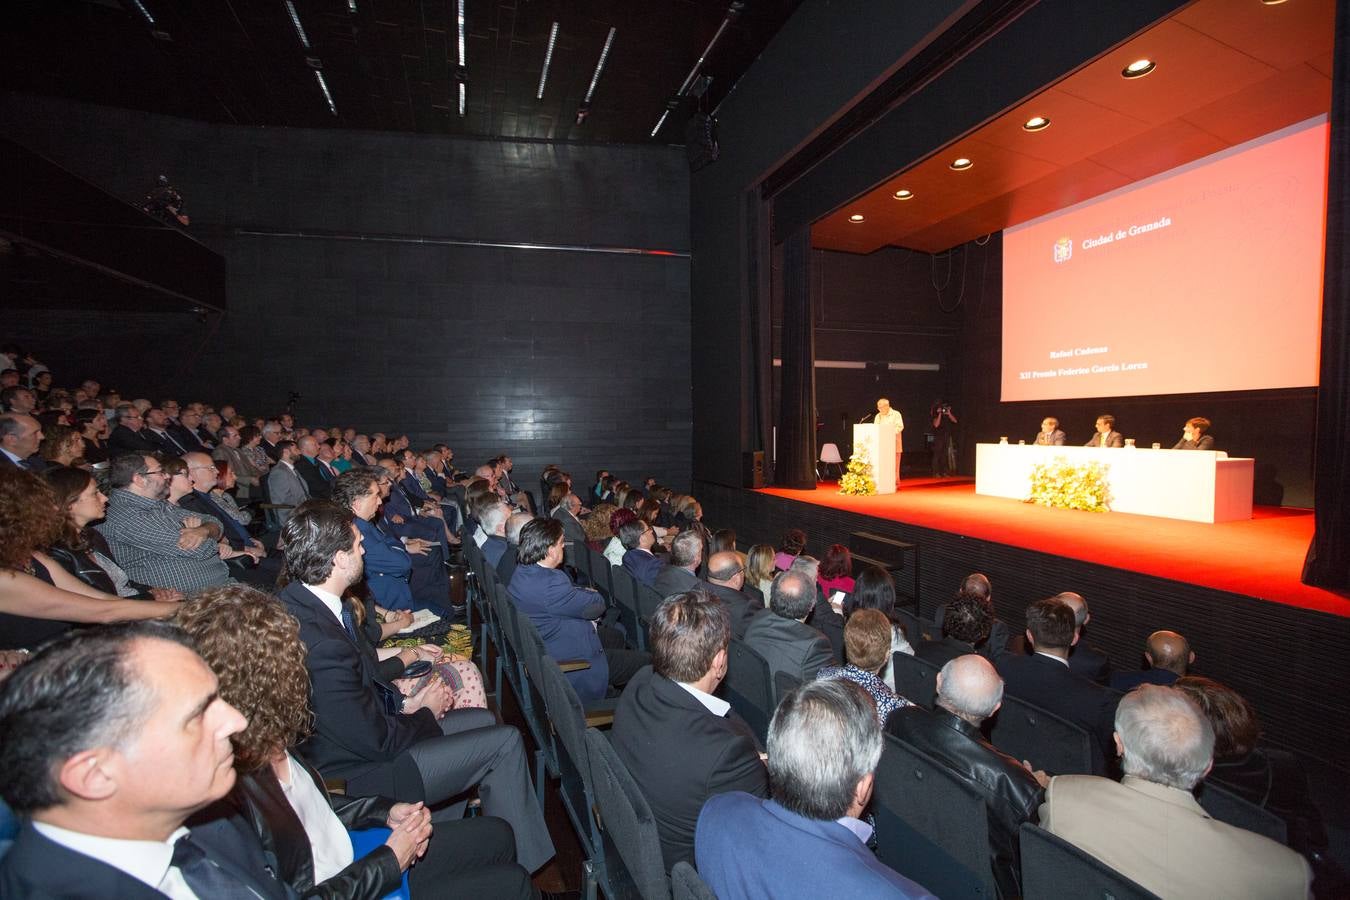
1195,436
1049,435
1106,435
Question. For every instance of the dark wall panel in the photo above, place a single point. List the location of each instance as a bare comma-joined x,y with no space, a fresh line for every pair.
571,357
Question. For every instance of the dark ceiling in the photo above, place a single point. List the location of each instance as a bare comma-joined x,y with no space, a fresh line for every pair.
387,64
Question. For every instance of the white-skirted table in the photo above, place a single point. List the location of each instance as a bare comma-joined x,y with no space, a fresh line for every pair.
1195,485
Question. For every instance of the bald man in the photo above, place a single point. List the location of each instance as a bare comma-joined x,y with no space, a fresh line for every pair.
969,690
726,577
1169,656
1087,662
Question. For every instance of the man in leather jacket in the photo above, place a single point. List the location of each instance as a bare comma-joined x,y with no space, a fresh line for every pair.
969,691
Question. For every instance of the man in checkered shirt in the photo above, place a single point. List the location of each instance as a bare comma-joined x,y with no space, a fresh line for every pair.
154,541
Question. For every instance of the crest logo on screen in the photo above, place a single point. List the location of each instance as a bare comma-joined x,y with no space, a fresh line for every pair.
1063,249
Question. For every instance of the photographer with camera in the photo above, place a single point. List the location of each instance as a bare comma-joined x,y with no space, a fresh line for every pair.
944,452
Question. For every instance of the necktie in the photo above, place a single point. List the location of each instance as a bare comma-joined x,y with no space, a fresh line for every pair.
205,877
324,471
349,623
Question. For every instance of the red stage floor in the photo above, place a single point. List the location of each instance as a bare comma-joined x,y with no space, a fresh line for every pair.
1260,558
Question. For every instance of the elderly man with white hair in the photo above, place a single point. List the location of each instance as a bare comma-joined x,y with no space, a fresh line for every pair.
1150,828
969,691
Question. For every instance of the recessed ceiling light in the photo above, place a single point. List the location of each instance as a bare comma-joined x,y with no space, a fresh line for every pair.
1272,2
904,194
1036,123
960,164
856,218
1138,69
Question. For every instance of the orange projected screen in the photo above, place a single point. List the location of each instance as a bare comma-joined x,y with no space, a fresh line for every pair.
1204,278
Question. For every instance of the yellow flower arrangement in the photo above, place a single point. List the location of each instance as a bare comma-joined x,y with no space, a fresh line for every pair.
1062,484
858,479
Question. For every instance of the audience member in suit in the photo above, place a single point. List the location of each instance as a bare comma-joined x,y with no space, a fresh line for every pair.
965,628
686,555
1049,435
284,485
1150,828
968,692
1194,436
681,744
187,432
1044,678
271,439
808,839
506,567
566,513
158,429
130,434
492,520
1270,778
20,436
250,562
318,479
301,825
366,731
1169,656
429,580
1086,661
638,559
406,517
387,563
780,635
1106,434
726,576
1000,639
566,615
106,783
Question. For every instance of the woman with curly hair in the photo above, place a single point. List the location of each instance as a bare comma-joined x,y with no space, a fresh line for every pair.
38,598
596,525
61,445
253,645
791,547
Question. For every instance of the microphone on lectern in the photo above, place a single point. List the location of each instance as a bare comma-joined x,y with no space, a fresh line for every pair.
865,418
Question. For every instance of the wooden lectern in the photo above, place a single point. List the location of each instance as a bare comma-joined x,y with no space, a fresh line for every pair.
879,445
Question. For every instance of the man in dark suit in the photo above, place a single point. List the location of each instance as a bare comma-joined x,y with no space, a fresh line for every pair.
1169,656
968,692
187,432
251,565
977,585
19,439
681,743
414,748
130,435
726,576
638,538
1050,435
965,628
317,479
1087,662
105,820
566,513
780,634
1044,679
492,519
1106,435
686,555
271,437
808,839
506,567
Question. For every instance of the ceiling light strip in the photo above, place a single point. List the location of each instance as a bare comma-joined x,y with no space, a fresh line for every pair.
661,121
548,60
295,20
144,12
599,65
460,17
463,97
323,86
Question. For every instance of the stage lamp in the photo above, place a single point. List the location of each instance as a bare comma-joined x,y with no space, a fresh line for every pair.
904,194
960,164
1036,123
1138,69
856,218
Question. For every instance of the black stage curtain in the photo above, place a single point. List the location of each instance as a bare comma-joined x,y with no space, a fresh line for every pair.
797,402
1328,561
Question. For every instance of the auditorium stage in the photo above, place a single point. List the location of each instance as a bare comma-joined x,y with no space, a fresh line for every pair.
1260,558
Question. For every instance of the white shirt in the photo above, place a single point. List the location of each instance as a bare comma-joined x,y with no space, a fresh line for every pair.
12,458
891,417
146,861
480,536
328,840
716,705
332,601
1059,659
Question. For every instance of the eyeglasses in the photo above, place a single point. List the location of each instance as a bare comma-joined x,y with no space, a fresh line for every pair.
212,468
148,472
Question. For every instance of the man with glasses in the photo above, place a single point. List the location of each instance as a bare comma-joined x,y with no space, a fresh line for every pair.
638,538
129,435
726,575
154,541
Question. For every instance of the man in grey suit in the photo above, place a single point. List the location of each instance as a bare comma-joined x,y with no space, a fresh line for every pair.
780,634
686,554
1106,435
284,484
573,533
1049,435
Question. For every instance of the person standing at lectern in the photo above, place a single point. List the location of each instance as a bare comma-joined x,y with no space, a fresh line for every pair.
1106,435
1193,436
1049,435
887,417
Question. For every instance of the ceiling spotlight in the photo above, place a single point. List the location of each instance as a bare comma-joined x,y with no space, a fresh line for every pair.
856,218
904,194
1138,69
1036,123
960,164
